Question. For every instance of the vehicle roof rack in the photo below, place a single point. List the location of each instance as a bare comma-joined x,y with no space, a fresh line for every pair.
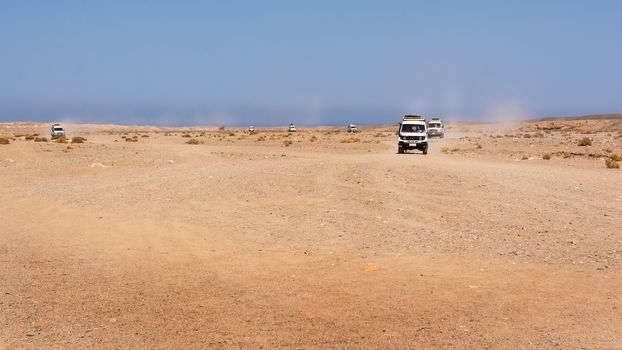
436,119
413,117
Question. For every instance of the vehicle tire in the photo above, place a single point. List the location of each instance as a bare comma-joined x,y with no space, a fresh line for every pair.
400,150
442,136
425,150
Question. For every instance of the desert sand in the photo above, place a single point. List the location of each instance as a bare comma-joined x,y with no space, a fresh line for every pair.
503,236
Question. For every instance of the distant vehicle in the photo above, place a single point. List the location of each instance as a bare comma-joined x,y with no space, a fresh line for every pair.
352,128
412,134
292,127
435,128
251,129
57,131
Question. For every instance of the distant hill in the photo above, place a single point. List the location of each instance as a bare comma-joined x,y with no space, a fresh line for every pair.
584,117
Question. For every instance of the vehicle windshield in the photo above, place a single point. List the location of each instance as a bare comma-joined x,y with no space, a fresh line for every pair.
434,125
413,128
58,129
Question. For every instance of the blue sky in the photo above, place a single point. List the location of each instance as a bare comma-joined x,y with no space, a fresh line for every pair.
310,62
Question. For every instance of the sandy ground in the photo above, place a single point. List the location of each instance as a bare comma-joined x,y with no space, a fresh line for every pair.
328,241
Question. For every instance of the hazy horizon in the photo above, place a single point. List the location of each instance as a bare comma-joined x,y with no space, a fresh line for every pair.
311,63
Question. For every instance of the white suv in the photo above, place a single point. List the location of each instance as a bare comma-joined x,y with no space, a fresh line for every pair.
435,128
412,134
57,131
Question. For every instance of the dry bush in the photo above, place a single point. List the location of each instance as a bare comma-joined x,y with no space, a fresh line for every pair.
29,137
4,141
41,139
231,133
351,140
145,135
60,139
585,142
546,156
131,140
77,139
287,143
186,135
455,149
478,146
525,157
261,138
193,142
378,134
538,135
615,157
527,136
612,164
444,149
313,139
607,150
566,154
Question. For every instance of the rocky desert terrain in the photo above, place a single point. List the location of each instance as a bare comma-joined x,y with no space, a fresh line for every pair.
503,236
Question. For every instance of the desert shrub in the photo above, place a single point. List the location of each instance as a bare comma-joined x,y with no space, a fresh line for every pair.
193,142
444,149
261,138
131,139
379,134
231,133
607,150
455,149
145,135
585,142
566,154
4,141
615,157
41,139
478,146
60,139
538,135
313,139
527,136
287,143
30,137
546,156
612,164
351,140
525,157
221,128
186,135
77,139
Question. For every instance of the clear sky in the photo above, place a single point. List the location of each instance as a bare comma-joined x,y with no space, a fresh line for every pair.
310,62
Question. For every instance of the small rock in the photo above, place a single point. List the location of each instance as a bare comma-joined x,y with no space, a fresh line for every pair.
371,267
32,334
171,161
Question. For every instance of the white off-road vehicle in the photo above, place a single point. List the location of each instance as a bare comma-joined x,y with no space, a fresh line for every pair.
57,131
412,134
292,127
435,128
352,128
251,129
